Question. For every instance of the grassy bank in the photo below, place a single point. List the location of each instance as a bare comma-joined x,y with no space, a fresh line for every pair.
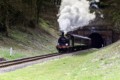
99,65
29,42
5,53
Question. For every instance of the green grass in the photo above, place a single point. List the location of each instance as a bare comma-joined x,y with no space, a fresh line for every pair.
20,53
103,64
5,53
48,27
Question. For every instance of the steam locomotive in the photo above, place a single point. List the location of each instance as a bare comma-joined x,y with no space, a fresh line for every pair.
71,42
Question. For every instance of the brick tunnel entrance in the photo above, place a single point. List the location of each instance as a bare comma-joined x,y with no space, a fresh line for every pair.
99,37
96,40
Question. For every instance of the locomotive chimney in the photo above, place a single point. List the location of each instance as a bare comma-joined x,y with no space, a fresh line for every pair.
62,33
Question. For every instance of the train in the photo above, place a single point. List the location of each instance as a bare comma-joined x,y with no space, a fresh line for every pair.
72,42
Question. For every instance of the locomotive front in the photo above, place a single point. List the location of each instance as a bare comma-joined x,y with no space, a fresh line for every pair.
63,43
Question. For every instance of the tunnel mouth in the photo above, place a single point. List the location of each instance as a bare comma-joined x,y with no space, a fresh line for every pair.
96,40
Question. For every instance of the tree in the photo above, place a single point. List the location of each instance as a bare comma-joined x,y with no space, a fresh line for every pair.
5,13
39,4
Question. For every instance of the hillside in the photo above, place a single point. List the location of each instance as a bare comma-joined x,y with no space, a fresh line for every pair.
28,28
93,64
41,40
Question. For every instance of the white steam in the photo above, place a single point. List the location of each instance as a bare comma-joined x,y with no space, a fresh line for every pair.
97,0
74,14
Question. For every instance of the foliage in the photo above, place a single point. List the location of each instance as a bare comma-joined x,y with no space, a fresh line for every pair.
29,2
116,19
21,12
112,13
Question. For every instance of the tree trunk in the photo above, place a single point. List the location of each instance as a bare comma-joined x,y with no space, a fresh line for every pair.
6,27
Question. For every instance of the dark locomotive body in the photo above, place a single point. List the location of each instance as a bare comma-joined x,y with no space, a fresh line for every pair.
63,44
72,42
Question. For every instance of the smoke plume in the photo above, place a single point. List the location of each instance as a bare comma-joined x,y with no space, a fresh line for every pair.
74,14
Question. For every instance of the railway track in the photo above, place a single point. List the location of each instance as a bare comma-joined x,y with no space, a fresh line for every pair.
25,60
8,66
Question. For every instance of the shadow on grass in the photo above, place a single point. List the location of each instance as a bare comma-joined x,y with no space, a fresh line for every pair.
85,52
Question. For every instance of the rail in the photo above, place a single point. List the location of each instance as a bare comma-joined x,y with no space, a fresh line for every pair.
25,60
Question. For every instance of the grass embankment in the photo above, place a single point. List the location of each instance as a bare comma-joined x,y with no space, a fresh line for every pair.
103,64
5,53
29,42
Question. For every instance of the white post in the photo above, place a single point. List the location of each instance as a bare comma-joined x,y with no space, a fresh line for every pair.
11,51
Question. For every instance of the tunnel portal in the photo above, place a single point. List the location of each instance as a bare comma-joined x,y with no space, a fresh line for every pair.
96,40
99,37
